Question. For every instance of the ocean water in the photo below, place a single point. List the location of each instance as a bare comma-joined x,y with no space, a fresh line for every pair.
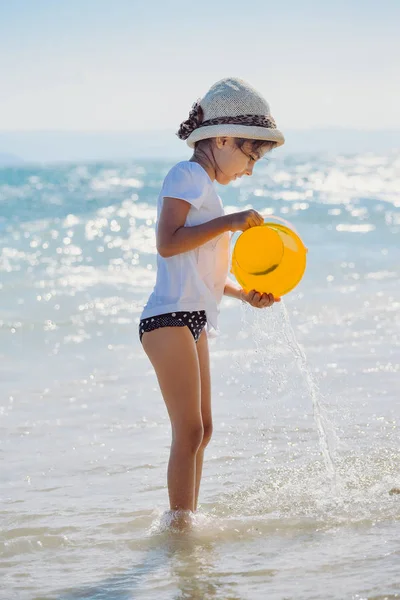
295,499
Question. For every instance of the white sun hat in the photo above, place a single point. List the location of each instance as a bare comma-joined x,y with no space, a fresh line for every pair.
230,108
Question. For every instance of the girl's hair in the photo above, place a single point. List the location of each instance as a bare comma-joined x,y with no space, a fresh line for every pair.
255,145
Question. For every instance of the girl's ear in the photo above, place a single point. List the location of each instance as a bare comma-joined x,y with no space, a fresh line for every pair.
221,141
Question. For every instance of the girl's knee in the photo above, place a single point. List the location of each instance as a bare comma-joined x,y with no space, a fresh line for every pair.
190,437
207,433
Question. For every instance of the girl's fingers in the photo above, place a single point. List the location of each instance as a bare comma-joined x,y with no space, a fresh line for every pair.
255,220
267,300
264,301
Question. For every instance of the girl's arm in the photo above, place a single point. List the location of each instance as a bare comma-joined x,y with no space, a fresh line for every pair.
232,290
174,238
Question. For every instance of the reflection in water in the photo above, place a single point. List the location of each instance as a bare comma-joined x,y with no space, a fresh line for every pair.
179,563
192,569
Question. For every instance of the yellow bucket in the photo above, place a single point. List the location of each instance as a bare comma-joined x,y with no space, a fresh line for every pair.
270,258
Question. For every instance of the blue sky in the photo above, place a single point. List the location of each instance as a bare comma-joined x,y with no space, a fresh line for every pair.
128,65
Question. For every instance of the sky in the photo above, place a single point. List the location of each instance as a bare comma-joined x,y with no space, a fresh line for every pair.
125,65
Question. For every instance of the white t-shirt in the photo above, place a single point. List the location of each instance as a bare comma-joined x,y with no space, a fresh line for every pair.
192,280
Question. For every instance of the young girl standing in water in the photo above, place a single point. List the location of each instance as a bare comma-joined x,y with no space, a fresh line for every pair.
230,129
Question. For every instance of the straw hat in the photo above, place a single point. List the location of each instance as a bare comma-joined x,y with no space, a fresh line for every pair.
231,108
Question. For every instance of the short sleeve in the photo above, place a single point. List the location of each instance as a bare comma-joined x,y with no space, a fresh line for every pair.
187,181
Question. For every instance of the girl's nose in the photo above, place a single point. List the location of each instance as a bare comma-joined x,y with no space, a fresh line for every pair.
249,169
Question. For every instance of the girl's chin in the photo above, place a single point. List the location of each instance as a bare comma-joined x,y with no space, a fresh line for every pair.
224,180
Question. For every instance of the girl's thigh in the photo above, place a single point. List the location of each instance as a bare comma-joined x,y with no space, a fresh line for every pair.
173,354
205,383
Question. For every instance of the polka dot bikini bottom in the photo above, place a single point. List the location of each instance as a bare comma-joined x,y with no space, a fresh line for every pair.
196,321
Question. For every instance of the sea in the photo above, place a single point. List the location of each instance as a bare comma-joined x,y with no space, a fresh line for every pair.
298,499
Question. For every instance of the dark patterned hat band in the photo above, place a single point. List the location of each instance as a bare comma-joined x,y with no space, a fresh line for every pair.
250,120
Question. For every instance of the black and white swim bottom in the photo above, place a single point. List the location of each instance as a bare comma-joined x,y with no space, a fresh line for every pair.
196,321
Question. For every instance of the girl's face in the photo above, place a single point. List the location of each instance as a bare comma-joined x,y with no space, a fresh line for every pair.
234,162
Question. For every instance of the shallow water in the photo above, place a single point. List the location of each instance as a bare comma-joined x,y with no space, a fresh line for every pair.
84,433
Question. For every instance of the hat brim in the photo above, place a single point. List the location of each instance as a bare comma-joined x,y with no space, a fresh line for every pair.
240,131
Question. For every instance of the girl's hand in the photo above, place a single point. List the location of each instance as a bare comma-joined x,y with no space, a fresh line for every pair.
258,299
245,219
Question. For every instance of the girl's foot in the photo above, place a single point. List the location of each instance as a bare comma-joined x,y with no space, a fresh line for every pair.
178,520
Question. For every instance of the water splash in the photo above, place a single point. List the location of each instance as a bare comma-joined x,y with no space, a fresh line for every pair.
275,340
299,495
301,360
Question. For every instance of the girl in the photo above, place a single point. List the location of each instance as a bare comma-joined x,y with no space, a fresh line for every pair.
229,129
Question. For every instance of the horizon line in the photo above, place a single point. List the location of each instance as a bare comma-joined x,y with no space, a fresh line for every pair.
103,131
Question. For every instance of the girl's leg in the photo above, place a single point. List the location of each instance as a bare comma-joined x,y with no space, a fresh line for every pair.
204,364
172,352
